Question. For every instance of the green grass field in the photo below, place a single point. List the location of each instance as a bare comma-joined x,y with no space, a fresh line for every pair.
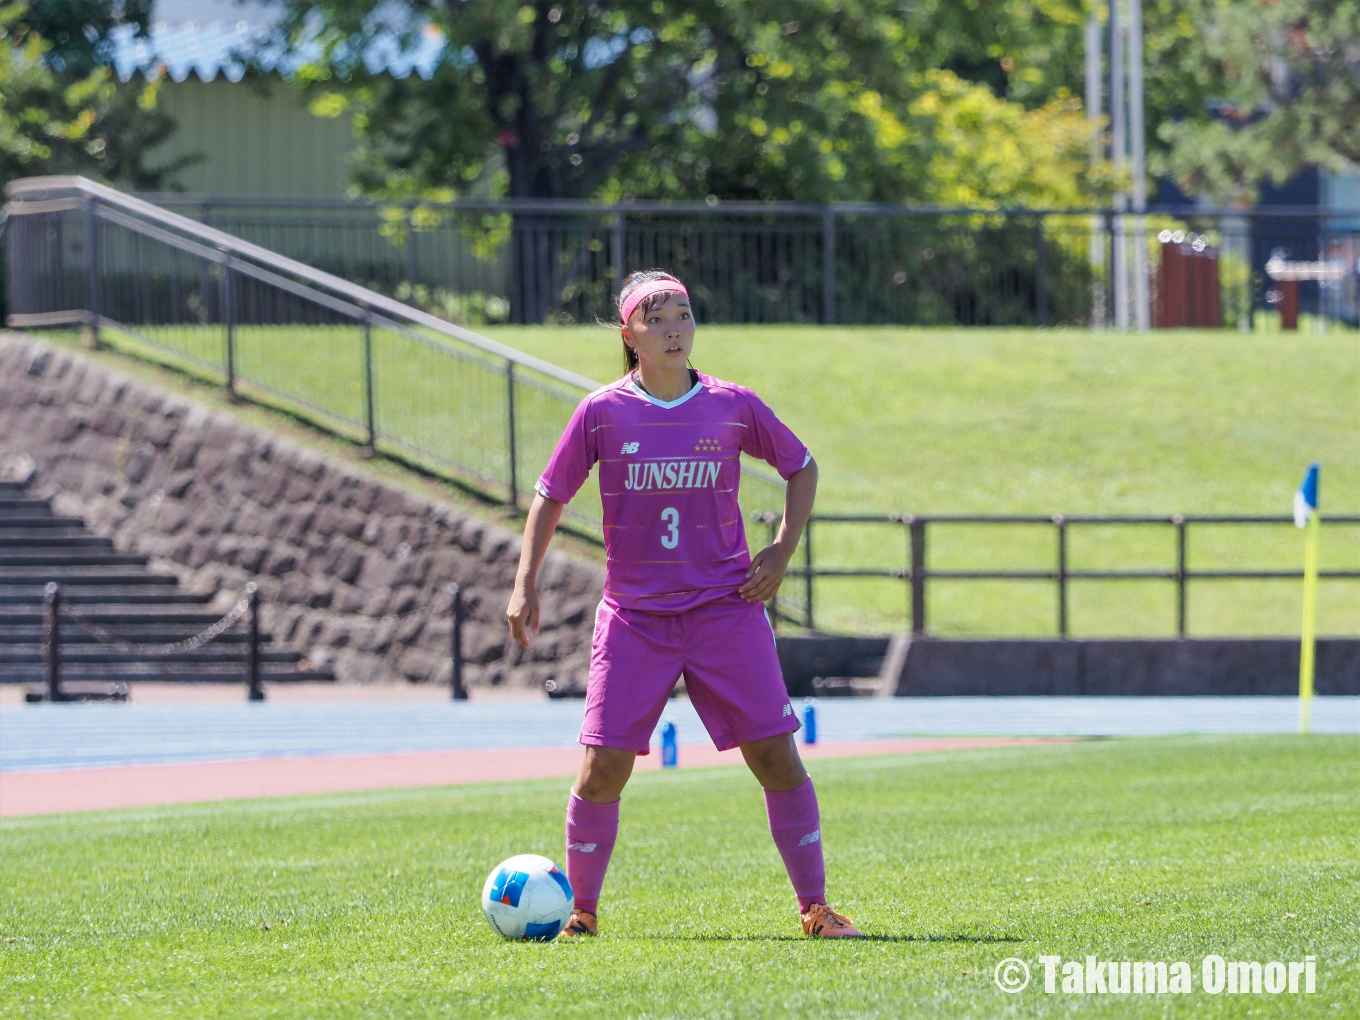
963,421
367,905
1023,422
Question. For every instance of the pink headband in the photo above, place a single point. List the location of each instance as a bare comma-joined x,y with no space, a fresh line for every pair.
636,297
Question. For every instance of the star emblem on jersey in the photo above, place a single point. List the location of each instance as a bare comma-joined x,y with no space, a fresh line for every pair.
630,448
708,446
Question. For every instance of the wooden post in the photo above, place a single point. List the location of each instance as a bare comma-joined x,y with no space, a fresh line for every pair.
1289,304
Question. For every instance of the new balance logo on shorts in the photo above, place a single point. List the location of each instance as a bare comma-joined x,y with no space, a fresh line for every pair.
788,709
585,848
629,448
812,837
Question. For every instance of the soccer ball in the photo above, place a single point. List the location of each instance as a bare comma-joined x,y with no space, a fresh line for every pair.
527,897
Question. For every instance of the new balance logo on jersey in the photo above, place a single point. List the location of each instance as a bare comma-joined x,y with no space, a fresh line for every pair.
788,709
629,448
812,837
673,474
585,848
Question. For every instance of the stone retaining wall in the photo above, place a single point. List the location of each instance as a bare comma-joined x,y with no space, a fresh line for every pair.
219,503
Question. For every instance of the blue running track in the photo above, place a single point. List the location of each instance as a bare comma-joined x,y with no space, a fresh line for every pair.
64,736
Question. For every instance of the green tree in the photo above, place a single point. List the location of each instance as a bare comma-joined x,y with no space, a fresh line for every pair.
61,109
1263,89
796,99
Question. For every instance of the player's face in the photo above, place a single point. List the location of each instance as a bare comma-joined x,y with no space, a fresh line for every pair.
664,336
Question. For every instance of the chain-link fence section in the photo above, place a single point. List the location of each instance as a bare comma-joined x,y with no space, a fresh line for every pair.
349,358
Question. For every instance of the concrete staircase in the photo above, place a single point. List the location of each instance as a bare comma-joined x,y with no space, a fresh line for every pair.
119,593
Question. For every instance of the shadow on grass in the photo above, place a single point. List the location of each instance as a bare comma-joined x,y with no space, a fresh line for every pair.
868,937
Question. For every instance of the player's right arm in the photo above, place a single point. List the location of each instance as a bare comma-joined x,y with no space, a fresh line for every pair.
567,469
522,613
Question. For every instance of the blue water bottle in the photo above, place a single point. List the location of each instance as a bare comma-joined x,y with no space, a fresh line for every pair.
668,758
809,720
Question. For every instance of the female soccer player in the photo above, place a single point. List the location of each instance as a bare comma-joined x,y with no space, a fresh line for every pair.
682,593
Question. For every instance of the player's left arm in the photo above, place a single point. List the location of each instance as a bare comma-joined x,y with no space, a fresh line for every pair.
766,572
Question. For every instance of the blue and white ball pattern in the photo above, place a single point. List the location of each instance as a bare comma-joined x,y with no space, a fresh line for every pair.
527,897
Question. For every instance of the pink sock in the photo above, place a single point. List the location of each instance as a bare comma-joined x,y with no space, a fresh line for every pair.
796,825
591,831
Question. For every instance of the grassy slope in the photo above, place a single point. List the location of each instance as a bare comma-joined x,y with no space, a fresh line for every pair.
989,421
1000,421
366,905
973,421
424,484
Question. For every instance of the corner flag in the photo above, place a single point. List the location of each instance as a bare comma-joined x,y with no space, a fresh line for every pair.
1306,499
1306,516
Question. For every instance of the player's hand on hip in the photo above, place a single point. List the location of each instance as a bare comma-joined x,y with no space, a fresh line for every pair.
522,614
765,575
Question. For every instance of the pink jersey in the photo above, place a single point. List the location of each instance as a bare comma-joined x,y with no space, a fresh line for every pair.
669,475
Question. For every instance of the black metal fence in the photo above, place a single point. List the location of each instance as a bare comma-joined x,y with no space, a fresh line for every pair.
916,570
750,262
344,356
56,608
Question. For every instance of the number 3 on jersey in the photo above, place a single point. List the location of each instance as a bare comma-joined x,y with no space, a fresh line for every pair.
672,518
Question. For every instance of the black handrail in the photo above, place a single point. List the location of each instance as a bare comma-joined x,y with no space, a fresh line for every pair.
916,572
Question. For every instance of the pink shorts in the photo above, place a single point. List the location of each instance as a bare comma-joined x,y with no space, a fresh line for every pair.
725,650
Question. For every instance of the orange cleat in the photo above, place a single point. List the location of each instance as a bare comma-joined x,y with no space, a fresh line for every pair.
582,923
821,922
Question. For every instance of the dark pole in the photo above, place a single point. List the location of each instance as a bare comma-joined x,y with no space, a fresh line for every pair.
410,254
616,249
1179,521
1062,575
510,421
807,562
918,575
52,640
456,645
368,382
93,241
256,692
229,321
1108,219
1040,277
828,267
